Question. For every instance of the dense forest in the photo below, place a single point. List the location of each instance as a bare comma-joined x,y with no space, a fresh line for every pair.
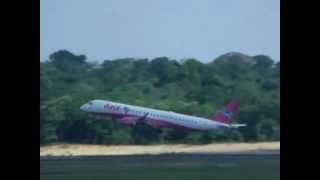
186,86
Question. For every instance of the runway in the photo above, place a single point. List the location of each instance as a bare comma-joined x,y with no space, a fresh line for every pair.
161,156
162,167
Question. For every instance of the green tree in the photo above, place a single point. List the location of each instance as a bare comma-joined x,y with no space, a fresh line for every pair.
187,86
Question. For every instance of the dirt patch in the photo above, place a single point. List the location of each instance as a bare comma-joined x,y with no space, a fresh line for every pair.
83,149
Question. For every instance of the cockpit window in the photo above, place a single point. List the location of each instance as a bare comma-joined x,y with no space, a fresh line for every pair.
90,103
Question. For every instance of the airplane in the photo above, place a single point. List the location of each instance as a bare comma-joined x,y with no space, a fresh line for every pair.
130,115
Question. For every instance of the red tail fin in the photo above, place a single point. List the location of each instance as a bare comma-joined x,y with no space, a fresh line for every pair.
226,115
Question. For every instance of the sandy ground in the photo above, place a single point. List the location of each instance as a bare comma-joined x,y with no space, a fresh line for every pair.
227,148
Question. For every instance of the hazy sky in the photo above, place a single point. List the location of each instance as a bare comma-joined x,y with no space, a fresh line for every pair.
203,29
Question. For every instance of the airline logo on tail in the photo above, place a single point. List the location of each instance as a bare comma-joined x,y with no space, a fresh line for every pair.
226,115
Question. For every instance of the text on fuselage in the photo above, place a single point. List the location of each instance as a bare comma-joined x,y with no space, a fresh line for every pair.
112,107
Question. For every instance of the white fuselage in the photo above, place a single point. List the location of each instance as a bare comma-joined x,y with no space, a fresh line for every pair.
125,110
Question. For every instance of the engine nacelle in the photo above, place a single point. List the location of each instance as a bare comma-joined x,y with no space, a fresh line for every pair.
128,121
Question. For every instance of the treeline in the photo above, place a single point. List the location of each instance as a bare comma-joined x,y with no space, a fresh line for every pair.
187,86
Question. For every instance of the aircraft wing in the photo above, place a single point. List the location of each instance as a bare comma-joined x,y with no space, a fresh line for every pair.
143,118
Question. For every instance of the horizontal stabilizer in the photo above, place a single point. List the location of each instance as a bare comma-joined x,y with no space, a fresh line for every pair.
237,125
